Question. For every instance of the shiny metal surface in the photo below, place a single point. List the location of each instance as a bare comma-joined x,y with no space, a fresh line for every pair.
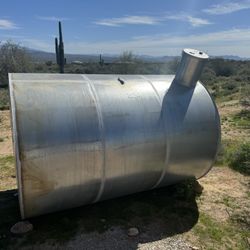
79,139
191,66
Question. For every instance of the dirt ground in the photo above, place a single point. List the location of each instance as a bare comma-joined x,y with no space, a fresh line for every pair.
5,134
229,132
176,217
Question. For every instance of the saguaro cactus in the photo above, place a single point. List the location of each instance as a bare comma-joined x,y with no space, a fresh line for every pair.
56,48
60,50
101,60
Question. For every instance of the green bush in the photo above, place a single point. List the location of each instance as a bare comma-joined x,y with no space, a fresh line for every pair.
13,58
4,99
242,119
238,157
223,148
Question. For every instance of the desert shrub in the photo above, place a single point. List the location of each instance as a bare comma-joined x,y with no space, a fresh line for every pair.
245,96
245,102
173,65
238,157
39,68
79,71
88,71
4,99
208,76
222,151
242,119
49,63
223,67
13,58
230,86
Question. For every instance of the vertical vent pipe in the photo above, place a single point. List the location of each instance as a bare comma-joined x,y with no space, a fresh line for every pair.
190,67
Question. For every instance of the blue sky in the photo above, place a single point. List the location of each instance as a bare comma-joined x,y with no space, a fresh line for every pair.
149,27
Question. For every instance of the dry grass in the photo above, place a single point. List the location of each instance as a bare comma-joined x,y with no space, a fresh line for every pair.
7,173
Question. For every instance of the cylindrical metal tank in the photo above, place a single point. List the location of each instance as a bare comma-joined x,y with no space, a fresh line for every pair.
79,139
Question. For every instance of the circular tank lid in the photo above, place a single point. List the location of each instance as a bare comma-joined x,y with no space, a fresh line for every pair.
196,53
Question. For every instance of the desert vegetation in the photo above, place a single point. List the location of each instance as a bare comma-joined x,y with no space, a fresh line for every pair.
216,217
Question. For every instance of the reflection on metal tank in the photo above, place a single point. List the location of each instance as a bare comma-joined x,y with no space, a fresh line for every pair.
79,139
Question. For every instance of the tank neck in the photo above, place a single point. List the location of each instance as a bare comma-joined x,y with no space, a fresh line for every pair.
190,67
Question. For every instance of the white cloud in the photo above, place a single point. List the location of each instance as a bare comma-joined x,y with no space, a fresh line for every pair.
7,24
227,7
194,21
150,20
52,18
197,22
146,20
228,42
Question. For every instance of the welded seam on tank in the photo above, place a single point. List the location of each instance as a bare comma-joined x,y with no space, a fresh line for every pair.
102,134
16,148
165,164
167,144
155,90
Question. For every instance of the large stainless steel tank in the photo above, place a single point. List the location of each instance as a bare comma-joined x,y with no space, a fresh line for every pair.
79,139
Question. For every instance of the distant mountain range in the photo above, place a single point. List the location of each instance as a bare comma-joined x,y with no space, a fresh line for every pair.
231,57
42,56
